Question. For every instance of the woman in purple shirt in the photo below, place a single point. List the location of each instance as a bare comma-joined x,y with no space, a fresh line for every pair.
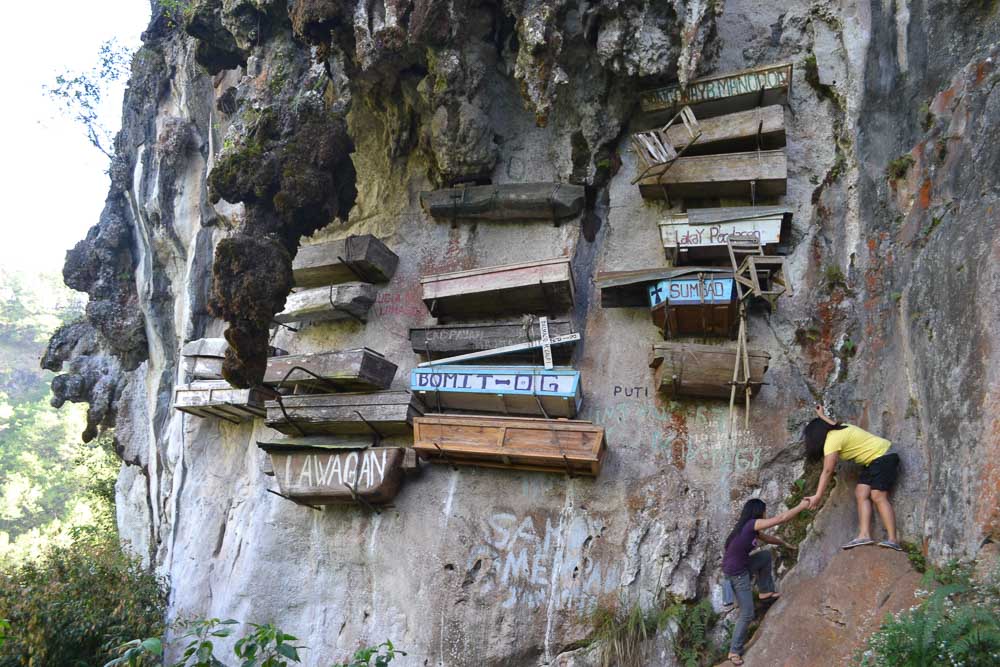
739,566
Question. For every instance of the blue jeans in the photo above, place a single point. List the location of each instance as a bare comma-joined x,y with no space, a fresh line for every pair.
759,569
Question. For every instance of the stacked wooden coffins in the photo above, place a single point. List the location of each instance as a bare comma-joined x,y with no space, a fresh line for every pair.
336,280
533,403
205,394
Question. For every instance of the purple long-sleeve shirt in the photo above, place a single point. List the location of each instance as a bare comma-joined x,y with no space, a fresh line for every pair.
737,556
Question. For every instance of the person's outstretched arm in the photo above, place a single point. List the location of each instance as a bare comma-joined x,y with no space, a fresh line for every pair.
829,465
774,539
764,524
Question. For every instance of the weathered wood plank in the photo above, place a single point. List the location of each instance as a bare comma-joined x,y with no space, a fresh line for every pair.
322,477
702,234
359,369
630,289
549,445
740,131
507,201
518,390
363,258
726,175
389,412
327,304
216,398
706,371
707,319
531,287
723,93
450,340
202,358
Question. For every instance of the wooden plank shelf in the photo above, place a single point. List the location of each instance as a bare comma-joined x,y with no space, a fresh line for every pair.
355,258
696,306
725,175
203,358
532,287
507,201
216,398
519,390
317,476
328,304
387,412
360,369
762,127
546,445
723,93
702,234
702,371
451,340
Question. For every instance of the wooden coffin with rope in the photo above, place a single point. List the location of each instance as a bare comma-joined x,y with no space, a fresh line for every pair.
359,369
449,340
723,93
702,234
699,304
508,201
751,175
545,445
517,390
540,287
216,398
377,414
685,370
361,258
328,304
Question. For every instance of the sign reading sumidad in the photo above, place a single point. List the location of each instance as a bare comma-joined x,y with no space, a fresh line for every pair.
523,380
691,291
718,87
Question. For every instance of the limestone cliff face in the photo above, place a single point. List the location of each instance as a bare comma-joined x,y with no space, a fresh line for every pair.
253,126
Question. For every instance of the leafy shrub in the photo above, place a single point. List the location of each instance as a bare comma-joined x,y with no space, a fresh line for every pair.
896,169
382,654
77,602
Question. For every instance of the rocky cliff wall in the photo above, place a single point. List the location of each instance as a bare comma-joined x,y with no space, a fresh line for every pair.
252,126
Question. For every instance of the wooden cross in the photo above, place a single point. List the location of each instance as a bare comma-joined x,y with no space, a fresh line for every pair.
546,342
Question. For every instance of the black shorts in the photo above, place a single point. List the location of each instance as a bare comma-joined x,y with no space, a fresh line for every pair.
881,473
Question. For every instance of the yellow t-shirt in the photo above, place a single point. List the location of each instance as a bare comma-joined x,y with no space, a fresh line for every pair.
855,444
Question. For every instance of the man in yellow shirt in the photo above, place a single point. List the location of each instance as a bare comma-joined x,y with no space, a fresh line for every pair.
831,440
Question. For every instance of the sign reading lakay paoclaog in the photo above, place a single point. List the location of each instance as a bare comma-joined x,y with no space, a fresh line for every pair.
712,88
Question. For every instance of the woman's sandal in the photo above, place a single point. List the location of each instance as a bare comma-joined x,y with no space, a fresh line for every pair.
735,659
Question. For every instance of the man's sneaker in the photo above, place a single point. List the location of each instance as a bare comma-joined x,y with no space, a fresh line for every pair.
889,544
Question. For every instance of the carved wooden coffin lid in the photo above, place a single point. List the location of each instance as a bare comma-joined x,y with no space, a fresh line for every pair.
725,175
519,390
317,476
691,369
355,258
360,369
724,93
376,414
216,398
546,445
622,289
507,201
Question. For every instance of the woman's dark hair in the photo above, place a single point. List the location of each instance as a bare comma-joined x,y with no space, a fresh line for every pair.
815,436
753,509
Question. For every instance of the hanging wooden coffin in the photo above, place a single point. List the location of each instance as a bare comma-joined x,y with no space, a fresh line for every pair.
704,371
203,358
629,289
531,287
216,398
326,304
355,258
547,445
381,413
318,476
508,201
695,306
359,369
447,341
725,175
702,234
724,93
762,127
518,390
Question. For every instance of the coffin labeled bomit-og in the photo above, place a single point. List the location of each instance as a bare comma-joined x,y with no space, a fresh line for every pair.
359,369
702,234
507,201
723,93
216,398
546,445
328,304
750,175
355,258
381,413
698,304
516,390
328,476
541,287
703,371
449,340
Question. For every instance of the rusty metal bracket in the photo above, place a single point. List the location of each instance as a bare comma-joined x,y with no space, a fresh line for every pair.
376,436
356,497
445,456
282,324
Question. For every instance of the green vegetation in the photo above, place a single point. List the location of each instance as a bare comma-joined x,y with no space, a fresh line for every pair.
382,655
926,116
795,531
834,277
896,169
811,69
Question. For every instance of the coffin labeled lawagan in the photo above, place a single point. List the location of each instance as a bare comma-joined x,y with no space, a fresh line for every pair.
507,201
203,358
723,93
695,305
702,234
215,398
451,340
330,303
546,445
326,476
530,287
703,371
355,258
725,175
360,369
519,390
387,412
